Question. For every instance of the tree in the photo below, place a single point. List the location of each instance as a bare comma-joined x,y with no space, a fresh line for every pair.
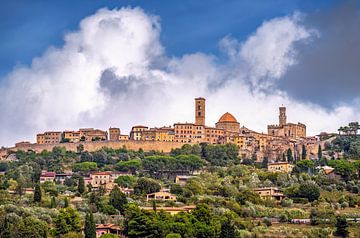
37,193
125,181
66,202
309,190
118,199
68,220
109,235
319,152
146,185
303,152
53,202
85,167
80,148
305,165
289,155
81,185
129,166
90,228
228,229
341,227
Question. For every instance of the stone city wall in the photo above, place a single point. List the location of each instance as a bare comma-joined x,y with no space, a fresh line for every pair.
164,146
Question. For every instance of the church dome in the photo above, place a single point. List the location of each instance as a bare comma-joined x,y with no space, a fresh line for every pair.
227,117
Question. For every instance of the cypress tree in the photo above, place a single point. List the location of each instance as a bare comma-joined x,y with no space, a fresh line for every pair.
319,152
81,185
37,193
53,202
66,202
289,156
90,228
303,152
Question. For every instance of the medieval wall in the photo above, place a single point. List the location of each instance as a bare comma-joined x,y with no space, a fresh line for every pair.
164,146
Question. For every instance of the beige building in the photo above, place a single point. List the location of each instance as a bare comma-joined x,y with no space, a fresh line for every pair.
270,192
49,137
287,129
100,179
114,134
228,123
91,134
280,167
71,136
158,134
163,196
136,132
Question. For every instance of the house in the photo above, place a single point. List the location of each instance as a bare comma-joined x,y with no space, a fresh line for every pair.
326,169
182,179
280,167
61,177
270,192
100,179
164,196
47,176
102,229
127,191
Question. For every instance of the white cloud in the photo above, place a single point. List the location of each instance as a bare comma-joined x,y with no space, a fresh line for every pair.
113,72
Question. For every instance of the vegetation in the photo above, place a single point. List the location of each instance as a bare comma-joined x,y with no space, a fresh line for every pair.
219,185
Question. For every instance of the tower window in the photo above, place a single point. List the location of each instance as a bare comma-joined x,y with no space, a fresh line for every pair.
199,114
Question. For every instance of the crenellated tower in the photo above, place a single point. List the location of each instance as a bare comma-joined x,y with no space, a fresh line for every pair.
282,116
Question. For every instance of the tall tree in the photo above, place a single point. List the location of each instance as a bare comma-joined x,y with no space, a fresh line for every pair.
118,199
341,227
90,227
303,152
66,202
37,193
319,152
81,185
289,155
53,202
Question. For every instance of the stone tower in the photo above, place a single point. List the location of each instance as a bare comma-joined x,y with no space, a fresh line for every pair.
200,111
282,116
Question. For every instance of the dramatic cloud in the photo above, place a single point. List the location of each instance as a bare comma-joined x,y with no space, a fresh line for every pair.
114,71
328,70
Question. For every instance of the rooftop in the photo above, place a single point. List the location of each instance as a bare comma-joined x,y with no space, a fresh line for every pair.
227,117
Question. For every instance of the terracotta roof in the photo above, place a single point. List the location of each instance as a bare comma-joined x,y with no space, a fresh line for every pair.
101,173
227,117
47,174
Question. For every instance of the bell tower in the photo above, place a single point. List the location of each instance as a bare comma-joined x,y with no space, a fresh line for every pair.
282,116
200,111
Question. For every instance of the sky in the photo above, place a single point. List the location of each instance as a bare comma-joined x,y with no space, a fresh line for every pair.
91,63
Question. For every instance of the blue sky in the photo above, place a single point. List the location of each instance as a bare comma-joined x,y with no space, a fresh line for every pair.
188,26
245,57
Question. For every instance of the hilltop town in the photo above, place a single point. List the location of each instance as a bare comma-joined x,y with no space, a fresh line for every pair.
185,180
272,145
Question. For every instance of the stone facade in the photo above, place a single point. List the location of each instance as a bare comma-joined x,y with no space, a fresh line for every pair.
285,129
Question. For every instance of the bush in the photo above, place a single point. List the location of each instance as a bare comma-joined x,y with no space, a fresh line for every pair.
286,202
267,221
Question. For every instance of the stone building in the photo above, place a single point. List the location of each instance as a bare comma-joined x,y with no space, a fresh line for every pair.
114,134
71,136
285,129
228,123
91,134
49,137
136,132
